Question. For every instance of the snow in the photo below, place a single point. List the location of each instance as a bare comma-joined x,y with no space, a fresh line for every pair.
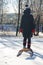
9,47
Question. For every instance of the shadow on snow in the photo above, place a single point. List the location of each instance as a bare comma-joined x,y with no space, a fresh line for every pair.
35,54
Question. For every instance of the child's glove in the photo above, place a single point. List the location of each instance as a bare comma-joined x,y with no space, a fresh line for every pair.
33,31
20,30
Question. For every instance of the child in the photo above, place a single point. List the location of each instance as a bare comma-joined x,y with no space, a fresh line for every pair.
27,27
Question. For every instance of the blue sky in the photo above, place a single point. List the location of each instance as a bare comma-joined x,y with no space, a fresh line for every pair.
11,5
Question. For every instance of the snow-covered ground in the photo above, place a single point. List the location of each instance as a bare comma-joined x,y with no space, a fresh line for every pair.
9,47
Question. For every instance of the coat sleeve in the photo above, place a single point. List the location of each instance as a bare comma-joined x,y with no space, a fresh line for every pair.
33,23
21,24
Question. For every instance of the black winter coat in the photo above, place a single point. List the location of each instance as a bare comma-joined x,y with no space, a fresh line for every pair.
27,24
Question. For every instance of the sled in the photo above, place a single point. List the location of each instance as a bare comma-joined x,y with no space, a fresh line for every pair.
30,51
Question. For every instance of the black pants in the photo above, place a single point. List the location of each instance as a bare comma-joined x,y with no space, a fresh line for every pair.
29,42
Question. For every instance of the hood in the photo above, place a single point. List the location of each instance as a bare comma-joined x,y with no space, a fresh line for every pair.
27,11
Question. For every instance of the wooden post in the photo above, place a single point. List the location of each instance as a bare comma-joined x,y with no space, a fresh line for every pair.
18,18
